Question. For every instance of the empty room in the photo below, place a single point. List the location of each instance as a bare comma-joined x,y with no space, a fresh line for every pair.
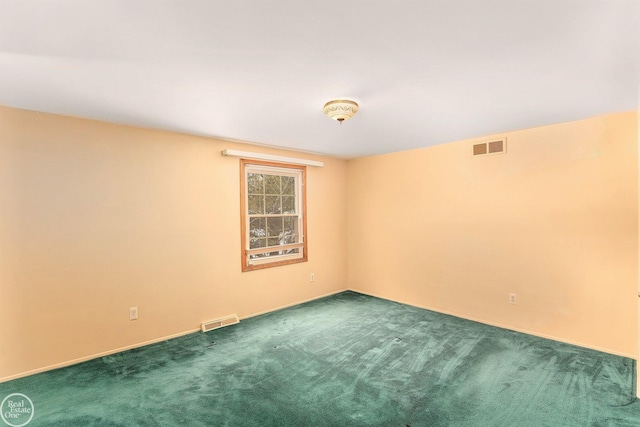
301,213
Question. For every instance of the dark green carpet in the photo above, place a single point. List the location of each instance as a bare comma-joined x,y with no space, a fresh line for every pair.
346,360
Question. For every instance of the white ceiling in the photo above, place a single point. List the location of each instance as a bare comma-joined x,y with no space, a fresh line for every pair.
424,72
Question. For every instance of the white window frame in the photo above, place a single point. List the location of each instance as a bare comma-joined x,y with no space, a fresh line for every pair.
279,169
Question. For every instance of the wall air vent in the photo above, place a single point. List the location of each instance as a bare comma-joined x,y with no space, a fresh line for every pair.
497,146
219,323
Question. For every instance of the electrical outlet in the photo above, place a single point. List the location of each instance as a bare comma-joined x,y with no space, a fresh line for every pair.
512,298
133,313
312,278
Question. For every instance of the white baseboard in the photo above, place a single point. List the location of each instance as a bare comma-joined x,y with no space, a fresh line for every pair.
142,344
94,356
294,303
190,331
502,326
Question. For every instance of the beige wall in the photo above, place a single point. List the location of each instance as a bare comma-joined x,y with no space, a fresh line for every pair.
554,220
638,304
96,218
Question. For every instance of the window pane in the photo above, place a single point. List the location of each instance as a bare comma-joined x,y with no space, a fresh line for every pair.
273,204
258,228
256,205
257,243
272,184
290,230
288,185
274,228
255,183
288,204
273,241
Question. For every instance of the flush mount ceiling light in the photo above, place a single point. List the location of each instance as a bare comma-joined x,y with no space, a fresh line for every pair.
340,110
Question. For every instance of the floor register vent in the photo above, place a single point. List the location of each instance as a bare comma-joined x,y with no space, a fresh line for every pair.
219,323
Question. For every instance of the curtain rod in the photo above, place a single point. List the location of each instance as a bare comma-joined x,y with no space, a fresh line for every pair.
260,156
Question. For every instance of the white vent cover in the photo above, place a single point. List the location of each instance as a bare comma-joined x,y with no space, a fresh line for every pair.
219,323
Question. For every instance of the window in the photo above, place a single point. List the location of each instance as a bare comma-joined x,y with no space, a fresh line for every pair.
273,214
